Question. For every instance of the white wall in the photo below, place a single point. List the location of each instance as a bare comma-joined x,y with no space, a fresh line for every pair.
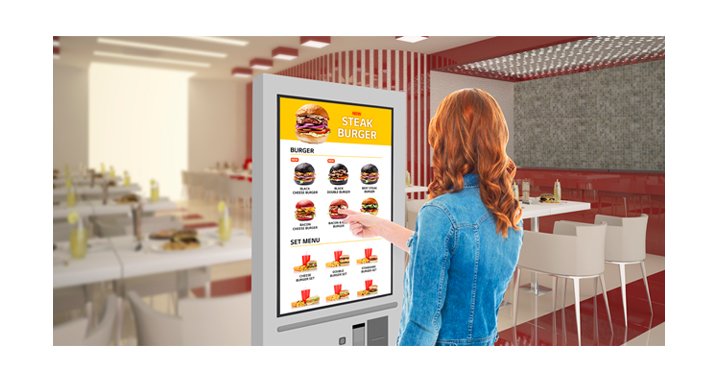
216,123
442,84
70,116
139,122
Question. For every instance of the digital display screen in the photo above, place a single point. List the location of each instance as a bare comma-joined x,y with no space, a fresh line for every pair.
332,156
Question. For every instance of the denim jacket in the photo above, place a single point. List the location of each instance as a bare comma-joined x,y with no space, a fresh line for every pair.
458,272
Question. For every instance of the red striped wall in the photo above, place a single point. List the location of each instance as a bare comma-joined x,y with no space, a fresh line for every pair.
390,70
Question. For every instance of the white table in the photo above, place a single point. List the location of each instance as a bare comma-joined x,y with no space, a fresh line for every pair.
97,190
96,208
100,264
81,181
534,211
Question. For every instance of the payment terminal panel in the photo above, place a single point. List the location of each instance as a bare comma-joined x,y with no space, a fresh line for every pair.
320,149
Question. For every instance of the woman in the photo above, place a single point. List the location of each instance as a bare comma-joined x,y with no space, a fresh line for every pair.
467,238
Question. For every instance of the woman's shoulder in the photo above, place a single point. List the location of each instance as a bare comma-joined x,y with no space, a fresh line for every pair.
460,207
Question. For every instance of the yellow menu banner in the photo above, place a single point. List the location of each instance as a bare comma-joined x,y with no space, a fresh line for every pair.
347,123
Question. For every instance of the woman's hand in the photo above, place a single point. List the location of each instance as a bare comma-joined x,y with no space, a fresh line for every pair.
363,225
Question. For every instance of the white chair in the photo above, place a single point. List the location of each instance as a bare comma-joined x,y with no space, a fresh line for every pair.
572,252
211,321
74,332
625,245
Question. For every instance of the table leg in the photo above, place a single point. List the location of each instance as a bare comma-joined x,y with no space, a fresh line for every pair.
120,293
534,287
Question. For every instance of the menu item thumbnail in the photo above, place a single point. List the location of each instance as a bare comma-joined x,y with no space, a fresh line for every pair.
307,265
304,174
336,208
369,257
369,174
306,299
340,260
370,206
340,293
305,210
369,290
338,174
312,124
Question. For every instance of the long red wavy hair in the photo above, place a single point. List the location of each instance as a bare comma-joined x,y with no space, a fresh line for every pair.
468,134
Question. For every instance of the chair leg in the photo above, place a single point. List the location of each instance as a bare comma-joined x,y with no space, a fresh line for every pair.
554,293
647,286
607,304
515,296
565,294
576,290
622,289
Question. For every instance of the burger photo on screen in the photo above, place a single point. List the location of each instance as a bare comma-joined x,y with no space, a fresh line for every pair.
338,174
369,174
369,206
312,124
304,174
336,209
304,210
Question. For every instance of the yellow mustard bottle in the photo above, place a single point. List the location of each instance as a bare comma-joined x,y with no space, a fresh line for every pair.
224,223
154,191
78,237
126,179
71,197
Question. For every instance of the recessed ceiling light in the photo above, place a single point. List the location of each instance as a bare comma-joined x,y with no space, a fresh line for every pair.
241,72
283,53
151,59
218,40
315,41
261,63
163,48
411,39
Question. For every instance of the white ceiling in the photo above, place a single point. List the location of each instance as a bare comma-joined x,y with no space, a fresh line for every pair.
79,51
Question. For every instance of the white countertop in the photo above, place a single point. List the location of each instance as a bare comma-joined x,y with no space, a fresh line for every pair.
97,190
115,258
96,208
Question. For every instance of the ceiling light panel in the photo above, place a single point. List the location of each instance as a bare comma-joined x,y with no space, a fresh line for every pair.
151,59
218,40
162,48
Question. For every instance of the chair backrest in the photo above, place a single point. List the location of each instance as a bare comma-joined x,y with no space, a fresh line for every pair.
103,333
216,321
153,327
626,237
70,333
591,249
151,224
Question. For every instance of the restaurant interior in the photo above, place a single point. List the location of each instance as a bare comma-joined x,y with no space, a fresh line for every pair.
153,176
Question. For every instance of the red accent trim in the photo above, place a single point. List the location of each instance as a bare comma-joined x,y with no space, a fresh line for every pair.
242,71
200,225
500,46
192,216
56,50
227,287
237,177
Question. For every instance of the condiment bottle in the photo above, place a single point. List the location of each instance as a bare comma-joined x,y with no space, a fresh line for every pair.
526,191
154,191
78,237
224,223
516,192
126,179
112,172
71,199
557,191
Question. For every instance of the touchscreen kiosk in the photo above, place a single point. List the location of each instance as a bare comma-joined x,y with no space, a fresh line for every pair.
319,149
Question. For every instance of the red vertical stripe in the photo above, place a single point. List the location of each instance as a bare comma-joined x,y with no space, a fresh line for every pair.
421,120
351,69
374,75
393,84
427,122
